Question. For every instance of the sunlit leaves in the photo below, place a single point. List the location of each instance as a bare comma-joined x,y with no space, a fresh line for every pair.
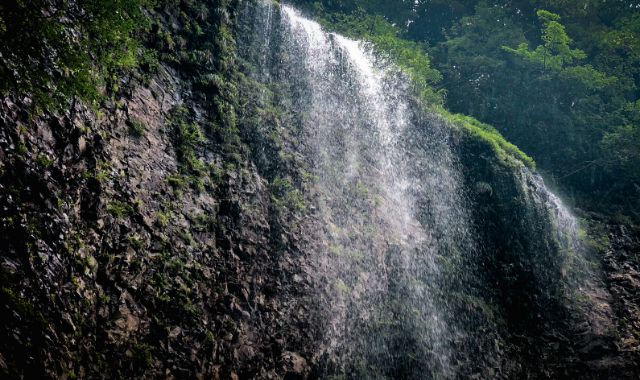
556,52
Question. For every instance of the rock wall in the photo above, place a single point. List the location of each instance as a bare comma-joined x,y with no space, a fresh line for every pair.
165,234
555,311
144,239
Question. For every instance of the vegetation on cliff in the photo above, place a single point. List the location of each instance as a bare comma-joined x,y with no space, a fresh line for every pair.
156,209
55,51
558,79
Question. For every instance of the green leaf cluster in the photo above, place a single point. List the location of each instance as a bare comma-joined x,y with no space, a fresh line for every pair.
53,51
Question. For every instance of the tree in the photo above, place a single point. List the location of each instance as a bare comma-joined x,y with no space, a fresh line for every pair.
560,82
556,52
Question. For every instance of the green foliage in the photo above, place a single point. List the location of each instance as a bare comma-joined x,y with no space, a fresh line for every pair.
410,56
119,209
285,195
188,140
559,100
44,161
101,173
595,235
176,181
135,241
143,354
163,218
342,251
71,50
505,150
412,59
468,301
622,148
556,54
137,128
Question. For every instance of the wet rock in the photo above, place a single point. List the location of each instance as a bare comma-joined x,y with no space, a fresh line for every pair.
175,332
295,365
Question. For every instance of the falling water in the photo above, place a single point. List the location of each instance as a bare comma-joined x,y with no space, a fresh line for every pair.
566,224
389,201
388,194
569,253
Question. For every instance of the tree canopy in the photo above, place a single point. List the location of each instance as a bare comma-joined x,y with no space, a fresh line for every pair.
559,78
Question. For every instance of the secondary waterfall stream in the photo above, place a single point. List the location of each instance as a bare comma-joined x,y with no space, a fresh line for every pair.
397,245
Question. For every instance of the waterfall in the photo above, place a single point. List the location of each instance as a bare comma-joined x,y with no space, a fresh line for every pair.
389,207
576,272
395,245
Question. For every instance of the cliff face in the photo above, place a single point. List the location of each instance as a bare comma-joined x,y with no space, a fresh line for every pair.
116,264
558,314
174,232
142,239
